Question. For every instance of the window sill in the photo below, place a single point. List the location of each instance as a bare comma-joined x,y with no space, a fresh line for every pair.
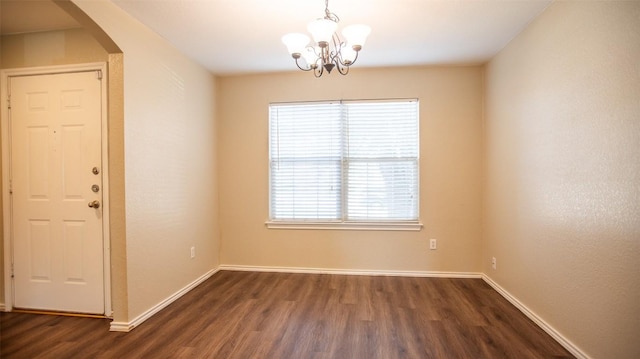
361,226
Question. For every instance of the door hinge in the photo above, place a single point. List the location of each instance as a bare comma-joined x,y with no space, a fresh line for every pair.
10,186
9,102
99,74
12,272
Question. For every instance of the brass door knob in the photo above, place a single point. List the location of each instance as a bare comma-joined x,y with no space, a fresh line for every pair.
94,204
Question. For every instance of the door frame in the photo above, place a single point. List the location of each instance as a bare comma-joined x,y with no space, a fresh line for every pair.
5,75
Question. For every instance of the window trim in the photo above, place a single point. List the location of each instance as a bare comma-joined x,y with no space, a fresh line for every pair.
340,224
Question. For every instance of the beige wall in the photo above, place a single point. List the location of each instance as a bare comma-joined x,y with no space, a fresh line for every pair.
50,48
562,194
450,172
170,161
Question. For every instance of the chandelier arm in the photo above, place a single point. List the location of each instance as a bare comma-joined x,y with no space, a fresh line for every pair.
337,41
352,62
318,71
342,68
297,64
337,45
355,58
314,50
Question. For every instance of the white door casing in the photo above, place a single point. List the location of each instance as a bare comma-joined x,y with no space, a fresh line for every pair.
58,245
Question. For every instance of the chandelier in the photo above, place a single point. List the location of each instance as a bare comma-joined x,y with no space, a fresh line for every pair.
329,51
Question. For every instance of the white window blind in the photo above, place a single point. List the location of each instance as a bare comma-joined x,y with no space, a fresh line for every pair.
344,161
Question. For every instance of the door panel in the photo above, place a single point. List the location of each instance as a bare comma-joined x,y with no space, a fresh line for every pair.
40,250
57,237
72,162
38,155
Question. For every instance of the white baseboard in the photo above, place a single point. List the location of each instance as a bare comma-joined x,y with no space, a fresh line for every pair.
121,327
566,343
369,272
128,326
2,307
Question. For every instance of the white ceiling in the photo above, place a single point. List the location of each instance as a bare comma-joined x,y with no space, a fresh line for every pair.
239,36
243,36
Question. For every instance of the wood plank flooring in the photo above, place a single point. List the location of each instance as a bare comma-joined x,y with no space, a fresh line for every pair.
280,315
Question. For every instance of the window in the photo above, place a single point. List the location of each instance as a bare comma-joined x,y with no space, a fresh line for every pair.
345,163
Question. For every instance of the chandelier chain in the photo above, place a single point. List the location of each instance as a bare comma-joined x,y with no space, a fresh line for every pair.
328,14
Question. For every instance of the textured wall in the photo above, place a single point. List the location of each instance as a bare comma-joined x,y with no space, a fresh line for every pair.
170,161
50,48
562,194
450,132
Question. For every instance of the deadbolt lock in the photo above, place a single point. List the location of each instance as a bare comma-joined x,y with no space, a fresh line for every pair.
95,188
95,170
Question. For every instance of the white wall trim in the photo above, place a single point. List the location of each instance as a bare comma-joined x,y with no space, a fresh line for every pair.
128,326
121,327
369,272
2,307
358,226
566,343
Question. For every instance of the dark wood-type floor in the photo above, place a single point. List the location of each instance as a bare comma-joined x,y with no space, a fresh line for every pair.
278,315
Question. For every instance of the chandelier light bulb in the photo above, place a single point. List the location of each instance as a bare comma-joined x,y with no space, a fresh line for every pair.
348,54
356,35
296,43
322,31
310,57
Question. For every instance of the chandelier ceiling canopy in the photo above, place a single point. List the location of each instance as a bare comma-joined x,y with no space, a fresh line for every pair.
328,50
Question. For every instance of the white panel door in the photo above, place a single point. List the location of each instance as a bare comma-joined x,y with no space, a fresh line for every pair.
57,237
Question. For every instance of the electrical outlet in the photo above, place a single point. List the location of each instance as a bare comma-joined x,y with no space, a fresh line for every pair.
493,262
433,244
193,252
